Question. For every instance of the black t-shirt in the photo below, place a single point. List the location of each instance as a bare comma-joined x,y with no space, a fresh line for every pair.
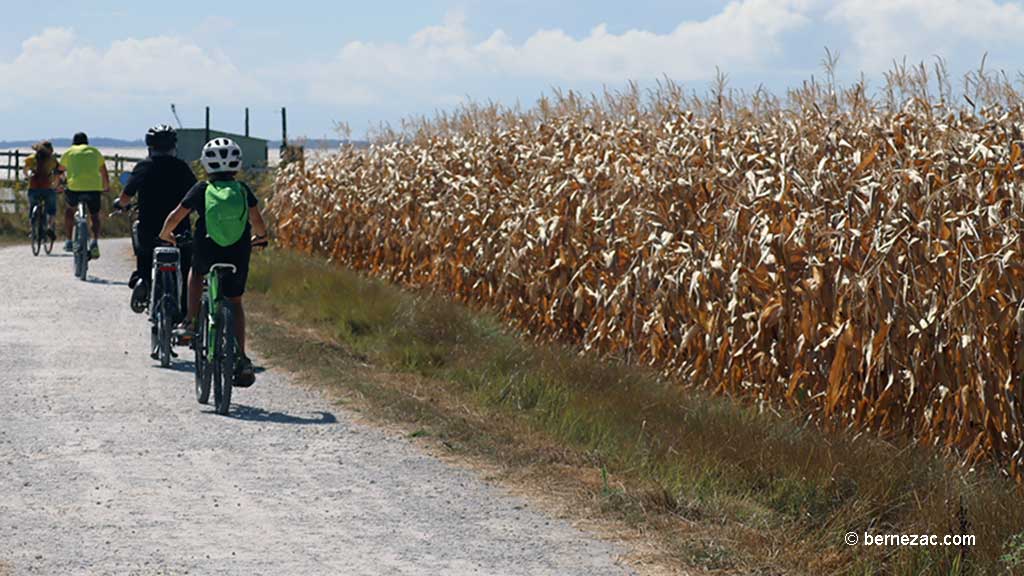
160,183
195,200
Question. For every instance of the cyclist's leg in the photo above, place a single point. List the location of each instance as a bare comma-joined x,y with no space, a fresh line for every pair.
199,268
70,203
50,196
33,194
234,286
93,205
187,308
195,294
33,199
239,322
244,373
144,259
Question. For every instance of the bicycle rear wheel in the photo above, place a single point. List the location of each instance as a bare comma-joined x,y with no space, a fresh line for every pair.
163,330
81,246
48,237
224,365
37,230
200,344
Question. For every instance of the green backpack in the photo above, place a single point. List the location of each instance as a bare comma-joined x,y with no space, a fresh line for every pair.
227,211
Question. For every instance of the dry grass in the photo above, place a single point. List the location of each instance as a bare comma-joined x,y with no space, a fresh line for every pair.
719,485
14,226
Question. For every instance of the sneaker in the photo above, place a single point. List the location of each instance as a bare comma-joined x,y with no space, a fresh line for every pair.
140,297
245,376
94,250
51,234
184,332
68,247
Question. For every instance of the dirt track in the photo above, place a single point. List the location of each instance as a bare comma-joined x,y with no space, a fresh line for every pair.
109,466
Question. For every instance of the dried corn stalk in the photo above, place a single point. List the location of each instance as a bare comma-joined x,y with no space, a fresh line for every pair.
861,265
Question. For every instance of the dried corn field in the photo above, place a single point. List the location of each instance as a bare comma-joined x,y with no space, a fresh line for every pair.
857,259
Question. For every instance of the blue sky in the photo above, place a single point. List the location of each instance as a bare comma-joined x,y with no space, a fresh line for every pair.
113,68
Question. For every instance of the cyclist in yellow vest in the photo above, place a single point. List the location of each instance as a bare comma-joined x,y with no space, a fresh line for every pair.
87,178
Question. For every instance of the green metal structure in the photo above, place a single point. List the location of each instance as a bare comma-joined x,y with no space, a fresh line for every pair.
192,140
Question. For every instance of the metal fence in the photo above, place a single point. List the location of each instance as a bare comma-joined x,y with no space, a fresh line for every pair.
13,181
12,169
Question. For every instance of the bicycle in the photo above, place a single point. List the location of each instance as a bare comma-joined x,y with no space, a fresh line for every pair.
166,283
42,237
80,242
165,297
214,343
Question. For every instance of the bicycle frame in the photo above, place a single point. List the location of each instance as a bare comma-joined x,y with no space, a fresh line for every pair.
81,213
213,288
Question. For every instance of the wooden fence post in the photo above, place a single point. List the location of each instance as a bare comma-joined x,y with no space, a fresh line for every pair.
17,165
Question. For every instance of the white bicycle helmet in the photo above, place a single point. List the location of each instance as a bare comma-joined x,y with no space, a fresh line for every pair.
221,155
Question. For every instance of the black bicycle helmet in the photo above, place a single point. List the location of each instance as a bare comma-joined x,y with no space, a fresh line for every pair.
161,137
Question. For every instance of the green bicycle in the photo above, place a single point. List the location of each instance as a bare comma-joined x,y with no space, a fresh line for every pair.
216,348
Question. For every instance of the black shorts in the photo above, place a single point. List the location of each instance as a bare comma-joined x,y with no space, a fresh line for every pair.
91,199
206,253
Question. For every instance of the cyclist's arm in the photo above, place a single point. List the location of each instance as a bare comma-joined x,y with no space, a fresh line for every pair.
131,188
106,177
173,219
259,227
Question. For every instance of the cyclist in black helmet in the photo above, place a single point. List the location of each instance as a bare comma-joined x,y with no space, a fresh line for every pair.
160,183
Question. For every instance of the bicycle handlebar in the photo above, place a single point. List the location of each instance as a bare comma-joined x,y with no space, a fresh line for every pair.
180,241
123,210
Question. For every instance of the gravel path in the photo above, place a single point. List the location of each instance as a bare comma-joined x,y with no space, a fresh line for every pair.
109,466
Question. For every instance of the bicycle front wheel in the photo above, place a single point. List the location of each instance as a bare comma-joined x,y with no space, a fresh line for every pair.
227,350
224,367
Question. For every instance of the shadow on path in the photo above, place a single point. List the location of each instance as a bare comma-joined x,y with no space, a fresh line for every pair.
104,281
252,414
180,366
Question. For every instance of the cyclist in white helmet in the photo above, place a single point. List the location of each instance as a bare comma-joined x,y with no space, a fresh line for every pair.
228,216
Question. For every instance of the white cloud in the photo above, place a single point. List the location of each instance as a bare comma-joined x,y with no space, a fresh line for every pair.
745,34
884,31
55,66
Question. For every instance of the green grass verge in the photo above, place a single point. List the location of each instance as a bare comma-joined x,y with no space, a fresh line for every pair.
724,485
13,229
